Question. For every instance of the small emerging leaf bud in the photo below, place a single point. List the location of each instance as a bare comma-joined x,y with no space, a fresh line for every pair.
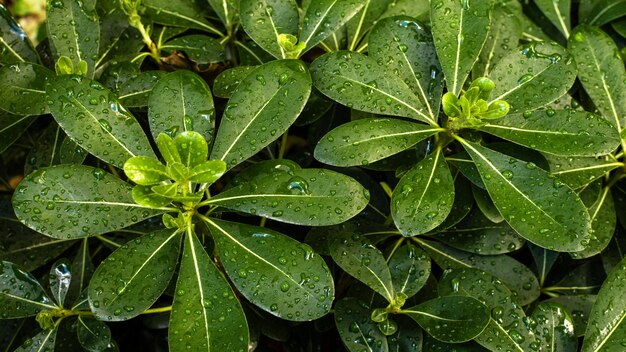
388,327
497,109
472,95
451,105
64,66
169,221
485,85
379,315
81,68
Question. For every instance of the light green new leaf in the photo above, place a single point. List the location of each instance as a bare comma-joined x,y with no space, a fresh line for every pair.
314,197
357,330
606,330
218,322
145,171
424,196
408,51
561,132
262,108
601,72
24,88
12,127
42,342
601,12
179,14
460,29
14,43
539,207
264,21
367,140
93,334
558,12
134,276
226,83
74,201
603,222
20,293
273,271
578,172
357,256
451,318
555,327
181,101
410,268
357,28
533,76
135,92
323,17
362,83
74,31
93,117
201,49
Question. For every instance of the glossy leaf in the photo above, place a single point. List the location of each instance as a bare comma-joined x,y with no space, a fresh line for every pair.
358,27
266,20
559,222
43,341
93,334
356,328
201,49
578,172
218,322
24,88
135,92
408,338
192,148
145,171
20,293
134,276
410,268
362,83
555,327
179,14
53,147
579,306
558,12
14,43
368,140
79,104
82,270
12,127
324,17
278,274
61,200
603,222
533,76
279,90
601,12
60,279
460,29
226,83
424,196
486,206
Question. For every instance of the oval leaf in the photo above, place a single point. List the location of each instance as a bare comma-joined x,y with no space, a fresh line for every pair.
264,21
558,12
578,172
555,327
60,279
20,293
179,14
201,49
135,92
357,330
24,88
93,334
410,268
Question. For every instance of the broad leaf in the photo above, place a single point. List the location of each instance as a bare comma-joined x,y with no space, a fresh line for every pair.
558,222
485,205
74,201
324,17
43,341
134,276
555,327
601,12
544,260
460,29
226,10
357,330
53,147
558,12
357,28
20,293
409,336
578,172
201,49
364,141
410,268
136,91
14,43
12,127
603,222
179,14
218,322
273,271
226,83
79,105
280,90
93,334
24,88
579,306
266,20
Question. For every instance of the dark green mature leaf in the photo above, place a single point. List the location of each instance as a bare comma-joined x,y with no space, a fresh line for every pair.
357,256
409,337
24,88
113,26
262,108
603,222
410,268
558,12
579,306
79,105
134,276
82,270
324,17
601,72
451,318
362,83
181,101
544,260
43,341
368,140
605,330
601,12
433,345
485,205
53,147
93,334
218,322
555,327
226,10
313,197
578,172
273,271
463,202
135,92
226,83
558,222
179,14
12,127
201,49
561,132
357,28
74,31
424,196
357,330
20,293
533,76
264,21
74,201
14,43
460,29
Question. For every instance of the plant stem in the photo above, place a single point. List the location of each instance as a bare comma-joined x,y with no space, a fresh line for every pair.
283,145
158,310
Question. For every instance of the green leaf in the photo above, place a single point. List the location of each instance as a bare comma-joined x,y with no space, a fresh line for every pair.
168,149
362,83
558,12
460,29
145,196
201,49
227,81
601,12
60,278
208,172
74,201
357,28
579,306
451,318
280,90
43,341
134,276
410,268
561,132
82,270
555,327
181,101
53,147
314,197
20,293
544,261
145,171
519,190
226,10
14,43
578,172
601,72
534,76
79,104
75,33
409,336
192,148
424,196
23,88
179,14
135,92
485,205
266,20
506,328
261,169
93,334
368,140
407,49
463,201
12,127
324,17
605,330
218,322
357,330
433,345
603,222
357,256
273,271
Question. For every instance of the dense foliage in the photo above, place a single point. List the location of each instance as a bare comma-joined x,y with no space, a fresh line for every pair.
282,175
